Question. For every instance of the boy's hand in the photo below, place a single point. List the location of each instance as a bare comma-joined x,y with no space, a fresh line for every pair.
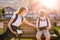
37,29
48,28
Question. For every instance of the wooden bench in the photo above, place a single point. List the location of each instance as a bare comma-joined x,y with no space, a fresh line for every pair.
30,32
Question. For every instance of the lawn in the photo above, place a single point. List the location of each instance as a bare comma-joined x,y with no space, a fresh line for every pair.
1,31
26,39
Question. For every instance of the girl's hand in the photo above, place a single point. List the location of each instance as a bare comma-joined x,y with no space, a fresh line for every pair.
14,32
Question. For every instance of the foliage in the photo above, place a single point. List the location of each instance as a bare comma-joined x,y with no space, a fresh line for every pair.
57,32
3,10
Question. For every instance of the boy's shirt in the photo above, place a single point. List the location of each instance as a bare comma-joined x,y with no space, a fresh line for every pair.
43,23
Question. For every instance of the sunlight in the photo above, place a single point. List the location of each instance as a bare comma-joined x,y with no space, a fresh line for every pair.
49,3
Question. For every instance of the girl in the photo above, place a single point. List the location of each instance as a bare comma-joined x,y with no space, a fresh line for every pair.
16,20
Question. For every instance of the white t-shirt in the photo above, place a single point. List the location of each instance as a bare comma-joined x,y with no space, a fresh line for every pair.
18,20
44,23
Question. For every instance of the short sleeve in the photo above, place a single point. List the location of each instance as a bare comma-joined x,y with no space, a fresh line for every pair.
13,16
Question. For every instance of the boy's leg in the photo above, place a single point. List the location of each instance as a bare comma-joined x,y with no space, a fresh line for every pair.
46,34
38,35
12,39
18,36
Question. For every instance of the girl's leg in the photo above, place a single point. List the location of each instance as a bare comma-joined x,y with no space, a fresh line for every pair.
12,39
17,38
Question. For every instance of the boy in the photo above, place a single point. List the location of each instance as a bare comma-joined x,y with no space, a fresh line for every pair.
43,26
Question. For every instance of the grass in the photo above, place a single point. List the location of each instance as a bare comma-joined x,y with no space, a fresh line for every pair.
26,39
1,31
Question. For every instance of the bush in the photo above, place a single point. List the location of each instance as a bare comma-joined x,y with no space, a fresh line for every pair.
2,13
3,10
56,31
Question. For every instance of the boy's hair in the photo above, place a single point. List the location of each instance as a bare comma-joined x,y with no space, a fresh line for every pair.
42,10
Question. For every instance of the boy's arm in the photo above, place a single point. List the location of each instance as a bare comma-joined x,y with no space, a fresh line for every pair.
37,25
49,23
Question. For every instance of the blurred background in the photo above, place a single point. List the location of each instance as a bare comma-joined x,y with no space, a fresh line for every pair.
52,7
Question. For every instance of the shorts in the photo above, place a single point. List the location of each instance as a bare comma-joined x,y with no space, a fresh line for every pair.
9,34
44,32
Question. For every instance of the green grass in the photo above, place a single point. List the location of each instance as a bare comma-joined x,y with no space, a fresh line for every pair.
1,31
27,39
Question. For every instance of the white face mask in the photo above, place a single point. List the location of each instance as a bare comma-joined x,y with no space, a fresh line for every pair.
43,18
24,14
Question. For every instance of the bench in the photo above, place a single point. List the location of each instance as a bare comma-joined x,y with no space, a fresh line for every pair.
30,32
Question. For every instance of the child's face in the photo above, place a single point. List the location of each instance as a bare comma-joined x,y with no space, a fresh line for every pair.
42,14
24,12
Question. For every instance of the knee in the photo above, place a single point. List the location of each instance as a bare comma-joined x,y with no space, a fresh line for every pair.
38,37
12,39
47,37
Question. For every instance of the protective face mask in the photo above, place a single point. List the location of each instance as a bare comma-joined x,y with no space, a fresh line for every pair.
24,14
43,18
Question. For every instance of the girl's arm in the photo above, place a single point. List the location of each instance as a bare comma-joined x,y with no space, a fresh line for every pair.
30,24
9,25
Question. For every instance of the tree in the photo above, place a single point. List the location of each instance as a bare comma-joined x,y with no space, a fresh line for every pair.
3,10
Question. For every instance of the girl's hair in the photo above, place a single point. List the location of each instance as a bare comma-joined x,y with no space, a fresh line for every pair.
20,9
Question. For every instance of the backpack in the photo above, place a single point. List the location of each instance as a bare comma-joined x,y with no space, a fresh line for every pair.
16,18
40,20
42,28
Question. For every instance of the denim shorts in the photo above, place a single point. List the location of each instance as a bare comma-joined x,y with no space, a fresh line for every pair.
44,32
9,34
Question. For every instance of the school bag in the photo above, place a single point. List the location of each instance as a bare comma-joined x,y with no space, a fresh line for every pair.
17,29
42,28
16,18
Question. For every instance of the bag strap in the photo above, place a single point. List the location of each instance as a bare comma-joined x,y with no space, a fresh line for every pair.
38,21
46,20
15,18
22,19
